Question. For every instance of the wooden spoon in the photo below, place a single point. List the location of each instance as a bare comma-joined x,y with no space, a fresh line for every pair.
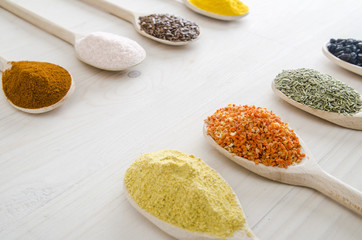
179,233
306,173
349,121
131,17
346,65
4,65
212,15
75,39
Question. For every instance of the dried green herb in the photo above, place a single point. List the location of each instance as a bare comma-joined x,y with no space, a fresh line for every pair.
318,90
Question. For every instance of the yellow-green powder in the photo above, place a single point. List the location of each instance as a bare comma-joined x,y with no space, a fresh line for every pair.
182,190
222,7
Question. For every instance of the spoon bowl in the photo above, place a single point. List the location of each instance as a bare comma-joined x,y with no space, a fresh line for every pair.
348,121
179,233
47,108
212,15
114,61
5,65
306,173
346,65
133,18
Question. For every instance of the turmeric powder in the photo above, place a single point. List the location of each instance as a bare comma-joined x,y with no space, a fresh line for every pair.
222,7
33,85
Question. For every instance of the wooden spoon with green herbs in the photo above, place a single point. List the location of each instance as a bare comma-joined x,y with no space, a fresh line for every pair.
321,95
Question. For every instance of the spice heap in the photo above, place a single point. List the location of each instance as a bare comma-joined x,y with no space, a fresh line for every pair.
35,85
184,191
222,7
109,51
319,91
255,134
349,50
169,27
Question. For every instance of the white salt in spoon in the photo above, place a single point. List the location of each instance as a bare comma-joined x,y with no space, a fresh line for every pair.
94,49
133,18
212,15
349,121
4,65
306,173
179,233
346,65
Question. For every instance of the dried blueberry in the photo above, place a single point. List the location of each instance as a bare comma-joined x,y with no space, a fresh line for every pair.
349,50
359,57
331,47
345,56
359,45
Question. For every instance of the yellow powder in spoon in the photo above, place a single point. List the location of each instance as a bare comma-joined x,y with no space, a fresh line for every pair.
182,190
222,7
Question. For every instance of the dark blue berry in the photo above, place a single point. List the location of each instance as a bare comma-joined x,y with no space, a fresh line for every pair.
359,45
331,47
350,41
347,50
345,56
359,57
339,47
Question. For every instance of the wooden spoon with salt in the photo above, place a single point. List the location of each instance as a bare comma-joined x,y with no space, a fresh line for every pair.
5,65
306,173
94,58
349,121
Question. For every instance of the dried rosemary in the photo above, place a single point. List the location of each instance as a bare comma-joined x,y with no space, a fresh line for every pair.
317,90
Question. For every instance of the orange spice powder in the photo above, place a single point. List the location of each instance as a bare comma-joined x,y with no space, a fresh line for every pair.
256,134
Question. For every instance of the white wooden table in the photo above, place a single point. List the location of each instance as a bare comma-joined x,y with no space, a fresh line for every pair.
61,172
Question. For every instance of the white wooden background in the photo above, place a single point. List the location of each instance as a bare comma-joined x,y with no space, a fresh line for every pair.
61,172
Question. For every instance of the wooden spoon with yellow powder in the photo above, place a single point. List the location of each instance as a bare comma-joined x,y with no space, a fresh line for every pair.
184,197
227,10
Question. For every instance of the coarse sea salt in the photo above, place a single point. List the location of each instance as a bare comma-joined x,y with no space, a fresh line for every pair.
109,51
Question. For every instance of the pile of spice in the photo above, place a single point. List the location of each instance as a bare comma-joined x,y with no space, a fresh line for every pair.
169,27
349,50
222,7
184,191
319,91
256,134
35,85
109,51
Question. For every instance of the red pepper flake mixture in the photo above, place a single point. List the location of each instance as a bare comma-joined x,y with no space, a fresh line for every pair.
256,134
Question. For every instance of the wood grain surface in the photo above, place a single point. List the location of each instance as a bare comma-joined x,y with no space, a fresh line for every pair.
61,172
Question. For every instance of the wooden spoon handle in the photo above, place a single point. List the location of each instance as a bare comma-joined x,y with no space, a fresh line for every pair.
337,190
113,9
38,21
4,64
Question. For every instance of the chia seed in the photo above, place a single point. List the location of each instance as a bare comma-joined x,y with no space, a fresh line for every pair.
169,27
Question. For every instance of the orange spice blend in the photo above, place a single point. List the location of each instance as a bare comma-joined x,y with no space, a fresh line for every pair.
34,85
256,134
